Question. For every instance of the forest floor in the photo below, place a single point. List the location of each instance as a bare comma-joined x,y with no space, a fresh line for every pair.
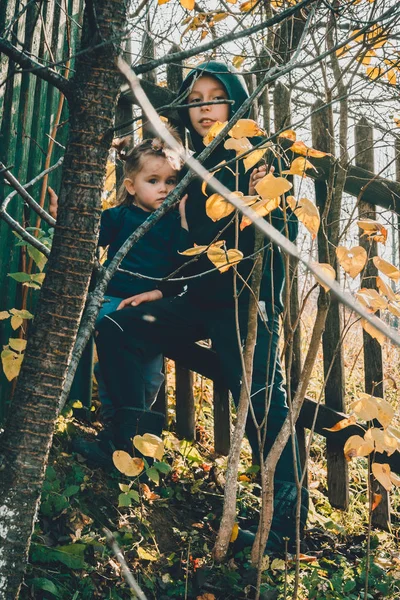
167,531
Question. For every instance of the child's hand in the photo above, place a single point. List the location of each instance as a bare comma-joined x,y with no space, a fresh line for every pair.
140,298
182,212
53,206
256,176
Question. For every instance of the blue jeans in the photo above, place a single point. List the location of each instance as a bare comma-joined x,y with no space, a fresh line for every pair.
152,369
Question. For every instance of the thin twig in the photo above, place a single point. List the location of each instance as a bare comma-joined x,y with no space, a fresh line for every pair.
125,569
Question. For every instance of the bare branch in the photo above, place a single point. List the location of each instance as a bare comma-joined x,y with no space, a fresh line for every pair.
25,62
125,569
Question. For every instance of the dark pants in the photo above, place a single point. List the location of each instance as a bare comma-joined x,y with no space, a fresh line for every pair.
129,338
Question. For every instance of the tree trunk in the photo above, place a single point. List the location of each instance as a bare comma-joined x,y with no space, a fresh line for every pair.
29,430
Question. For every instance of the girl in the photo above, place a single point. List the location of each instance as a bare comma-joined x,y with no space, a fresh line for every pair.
207,310
149,177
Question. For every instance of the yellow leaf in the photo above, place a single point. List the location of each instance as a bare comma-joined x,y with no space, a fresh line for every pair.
385,412
382,440
342,51
278,564
394,308
224,259
373,230
245,128
17,344
365,407
110,181
131,467
247,6
232,1
160,2
385,290
306,212
352,260
16,322
149,445
270,187
299,167
376,500
373,331
387,268
4,314
204,34
11,362
194,251
237,61
235,533
381,472
301,148
365,57
218,208
262,209
213,132
188,4
392,76
289,134
356,446
328,271
254,157
395,479
239,145
145,555
374,72
370,298
342,424
219,16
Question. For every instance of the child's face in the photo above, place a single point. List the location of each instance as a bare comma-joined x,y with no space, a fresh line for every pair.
152,184
206,89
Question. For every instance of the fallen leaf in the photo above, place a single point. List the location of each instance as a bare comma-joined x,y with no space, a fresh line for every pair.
147,493
145,555
278,564
352,260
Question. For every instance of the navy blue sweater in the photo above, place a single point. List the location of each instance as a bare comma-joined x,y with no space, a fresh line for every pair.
154,255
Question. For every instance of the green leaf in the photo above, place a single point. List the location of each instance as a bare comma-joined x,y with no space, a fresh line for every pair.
23,314
20,277
71,490
349,585
124,500
162,467
71,556
41,583
153,474
134,495
124,487
38,258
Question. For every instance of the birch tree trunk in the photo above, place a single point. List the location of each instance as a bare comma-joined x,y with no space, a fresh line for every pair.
29,430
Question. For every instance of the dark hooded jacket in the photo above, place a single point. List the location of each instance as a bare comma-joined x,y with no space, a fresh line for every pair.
216,289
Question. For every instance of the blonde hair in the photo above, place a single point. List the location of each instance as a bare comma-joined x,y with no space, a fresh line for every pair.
133,159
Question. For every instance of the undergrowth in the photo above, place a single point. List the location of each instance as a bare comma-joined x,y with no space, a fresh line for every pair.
168,532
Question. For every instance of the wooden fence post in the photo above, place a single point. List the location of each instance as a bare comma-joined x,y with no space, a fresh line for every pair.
185,413
373,363
328,236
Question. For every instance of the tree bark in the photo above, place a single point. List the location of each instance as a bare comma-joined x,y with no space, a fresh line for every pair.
29,430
